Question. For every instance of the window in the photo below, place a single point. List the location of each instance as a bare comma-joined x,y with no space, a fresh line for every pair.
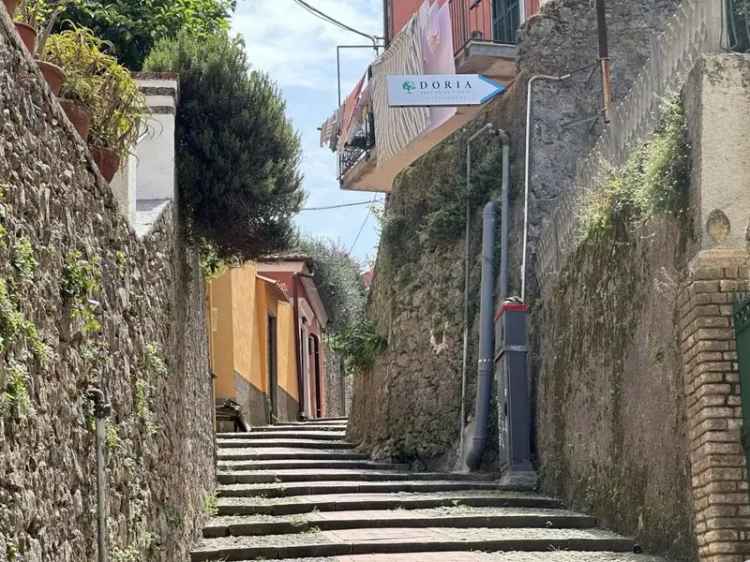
506,20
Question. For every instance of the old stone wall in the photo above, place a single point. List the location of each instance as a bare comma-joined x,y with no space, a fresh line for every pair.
409,405
84,303
335,385
612,432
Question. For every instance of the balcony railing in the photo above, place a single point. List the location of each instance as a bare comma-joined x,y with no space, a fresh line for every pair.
362,141
494,21
738,24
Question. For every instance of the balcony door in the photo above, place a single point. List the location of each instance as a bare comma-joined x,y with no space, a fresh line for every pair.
506,19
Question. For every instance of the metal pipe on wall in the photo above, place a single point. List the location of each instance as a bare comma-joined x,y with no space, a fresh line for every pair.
527,172
467,248
102,410
472,456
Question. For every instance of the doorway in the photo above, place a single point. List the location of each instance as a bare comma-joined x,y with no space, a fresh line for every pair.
273,375
315,356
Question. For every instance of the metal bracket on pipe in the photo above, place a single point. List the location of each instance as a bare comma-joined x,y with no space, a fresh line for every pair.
102,408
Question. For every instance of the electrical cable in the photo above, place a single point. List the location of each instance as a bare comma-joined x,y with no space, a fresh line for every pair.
325,17
364,222
337,206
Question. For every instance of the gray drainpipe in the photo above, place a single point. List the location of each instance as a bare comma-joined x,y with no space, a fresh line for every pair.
478,433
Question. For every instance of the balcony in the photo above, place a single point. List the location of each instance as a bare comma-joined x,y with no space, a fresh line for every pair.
484,42
484,37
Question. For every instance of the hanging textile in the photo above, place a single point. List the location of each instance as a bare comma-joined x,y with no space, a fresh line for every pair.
436,32
396,127
347,113
329,131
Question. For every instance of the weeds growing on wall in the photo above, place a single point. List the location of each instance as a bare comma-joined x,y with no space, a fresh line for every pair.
654,181
359,344
80,282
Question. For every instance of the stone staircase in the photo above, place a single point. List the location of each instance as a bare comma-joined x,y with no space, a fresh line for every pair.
299,491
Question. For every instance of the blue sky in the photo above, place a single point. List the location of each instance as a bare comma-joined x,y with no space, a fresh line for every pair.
298,51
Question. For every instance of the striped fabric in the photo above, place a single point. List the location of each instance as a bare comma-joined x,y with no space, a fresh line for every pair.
396,127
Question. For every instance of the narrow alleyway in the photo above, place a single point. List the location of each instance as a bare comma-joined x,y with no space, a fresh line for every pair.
300,491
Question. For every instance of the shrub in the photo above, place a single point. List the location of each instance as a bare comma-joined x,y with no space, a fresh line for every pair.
359,344
237,154
132,27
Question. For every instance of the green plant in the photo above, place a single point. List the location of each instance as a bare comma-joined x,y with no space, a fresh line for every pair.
16,392
80,280
133,27
112,436
15,327
154,363
83,57
653,182
212,265
42,15
359,344
240,200
210,505
23,258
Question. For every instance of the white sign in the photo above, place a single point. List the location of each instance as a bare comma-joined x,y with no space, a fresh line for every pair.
441,90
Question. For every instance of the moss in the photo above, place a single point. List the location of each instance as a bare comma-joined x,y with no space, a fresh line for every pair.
210,505
112,436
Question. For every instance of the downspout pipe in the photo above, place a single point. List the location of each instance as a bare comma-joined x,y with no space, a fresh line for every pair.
480,431
467,269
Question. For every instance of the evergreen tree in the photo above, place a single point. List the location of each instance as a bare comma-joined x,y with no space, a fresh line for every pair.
237,154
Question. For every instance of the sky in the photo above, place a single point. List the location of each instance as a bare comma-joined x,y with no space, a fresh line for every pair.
298,51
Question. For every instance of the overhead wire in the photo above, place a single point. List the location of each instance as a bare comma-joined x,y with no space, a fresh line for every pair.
325,17
364,223
341,206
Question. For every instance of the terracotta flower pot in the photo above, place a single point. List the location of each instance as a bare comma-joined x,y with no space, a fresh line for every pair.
53,74
107,160
28,35
79,115
11,6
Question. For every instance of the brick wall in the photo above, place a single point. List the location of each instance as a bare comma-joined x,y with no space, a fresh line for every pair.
719,474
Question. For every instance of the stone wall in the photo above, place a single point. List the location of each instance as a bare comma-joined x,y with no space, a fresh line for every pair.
612,433
140,336
409,406
335,385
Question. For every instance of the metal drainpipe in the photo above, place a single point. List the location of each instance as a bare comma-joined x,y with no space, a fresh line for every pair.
467,248
102,410
480,431
527,173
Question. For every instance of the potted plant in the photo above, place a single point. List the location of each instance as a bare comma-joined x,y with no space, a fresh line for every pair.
34,23
118,119
10,6
81,56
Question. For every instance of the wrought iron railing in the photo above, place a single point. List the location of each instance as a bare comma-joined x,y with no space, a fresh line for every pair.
738,25
358,147
495,21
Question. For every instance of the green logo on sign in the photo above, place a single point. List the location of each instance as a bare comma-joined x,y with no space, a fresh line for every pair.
408,86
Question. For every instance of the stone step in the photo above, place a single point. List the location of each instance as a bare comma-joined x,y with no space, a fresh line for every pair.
398,540
284,435
298,428
457,517
283,490
559,556
233,475
307,465
298,443
383,501
252,454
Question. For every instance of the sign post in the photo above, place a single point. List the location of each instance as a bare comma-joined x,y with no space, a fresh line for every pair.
441,90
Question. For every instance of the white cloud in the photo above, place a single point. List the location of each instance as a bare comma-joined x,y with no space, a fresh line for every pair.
298,48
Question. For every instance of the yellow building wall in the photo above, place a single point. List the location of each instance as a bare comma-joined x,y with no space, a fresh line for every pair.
239,305
245,330
221,330
287,360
